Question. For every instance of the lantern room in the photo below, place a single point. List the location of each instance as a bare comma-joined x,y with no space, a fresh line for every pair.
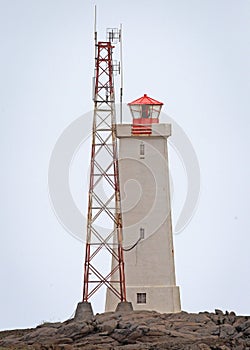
145,112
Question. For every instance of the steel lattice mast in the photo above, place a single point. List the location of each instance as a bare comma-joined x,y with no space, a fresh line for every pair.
104,227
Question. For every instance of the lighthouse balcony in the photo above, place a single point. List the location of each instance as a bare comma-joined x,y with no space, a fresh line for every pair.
143,130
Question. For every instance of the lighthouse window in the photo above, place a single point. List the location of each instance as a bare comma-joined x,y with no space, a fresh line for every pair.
142,149
145,111
142,233
141,298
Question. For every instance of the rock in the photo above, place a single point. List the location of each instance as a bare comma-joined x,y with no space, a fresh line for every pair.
120,335
219,312
133,347
231,319
246,332
62,341
215,331
9,341
83,332
106,317
39,334
227,331
108,326
204,347
138,330
244,325
239,347
71,328
124,325
156,332
132,337
50,324
144,329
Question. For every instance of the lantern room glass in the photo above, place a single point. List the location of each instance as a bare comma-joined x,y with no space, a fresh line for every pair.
144,111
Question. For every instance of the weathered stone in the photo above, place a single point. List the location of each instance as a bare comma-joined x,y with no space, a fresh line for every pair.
245,325
40,333
193,347
246,332
239,347
84,331
145,329
157,331
219,312
124,325
136,331
231,319
132,337
204,347
108,326
215,331
71,328
63,340
120,335
106,317
50,324
179,335
227,331
66,347
137,346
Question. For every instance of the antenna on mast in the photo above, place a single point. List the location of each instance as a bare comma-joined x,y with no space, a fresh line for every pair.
95,32
121,73
95,40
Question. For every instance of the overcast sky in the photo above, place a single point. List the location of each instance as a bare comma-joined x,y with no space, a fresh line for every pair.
191,54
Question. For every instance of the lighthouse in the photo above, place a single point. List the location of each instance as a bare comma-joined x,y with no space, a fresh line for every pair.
146,210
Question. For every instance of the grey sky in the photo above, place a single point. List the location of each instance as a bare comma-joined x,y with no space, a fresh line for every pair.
192,55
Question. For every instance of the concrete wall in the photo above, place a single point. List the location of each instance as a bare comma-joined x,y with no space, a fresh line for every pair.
145,193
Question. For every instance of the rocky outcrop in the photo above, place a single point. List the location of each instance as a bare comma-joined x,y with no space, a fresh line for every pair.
137,330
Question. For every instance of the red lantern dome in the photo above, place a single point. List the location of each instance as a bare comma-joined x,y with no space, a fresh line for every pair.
145,111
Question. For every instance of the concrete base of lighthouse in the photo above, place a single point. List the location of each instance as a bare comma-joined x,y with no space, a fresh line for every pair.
164,299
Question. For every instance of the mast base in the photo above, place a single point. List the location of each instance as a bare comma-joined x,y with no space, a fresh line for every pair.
84,311
124,306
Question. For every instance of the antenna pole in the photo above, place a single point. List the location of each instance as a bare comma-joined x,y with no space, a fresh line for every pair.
95,32
121,74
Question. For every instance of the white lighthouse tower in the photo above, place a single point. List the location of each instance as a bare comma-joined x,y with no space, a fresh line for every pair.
146,211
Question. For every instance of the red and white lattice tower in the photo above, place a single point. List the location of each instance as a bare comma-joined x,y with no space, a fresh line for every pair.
104,227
